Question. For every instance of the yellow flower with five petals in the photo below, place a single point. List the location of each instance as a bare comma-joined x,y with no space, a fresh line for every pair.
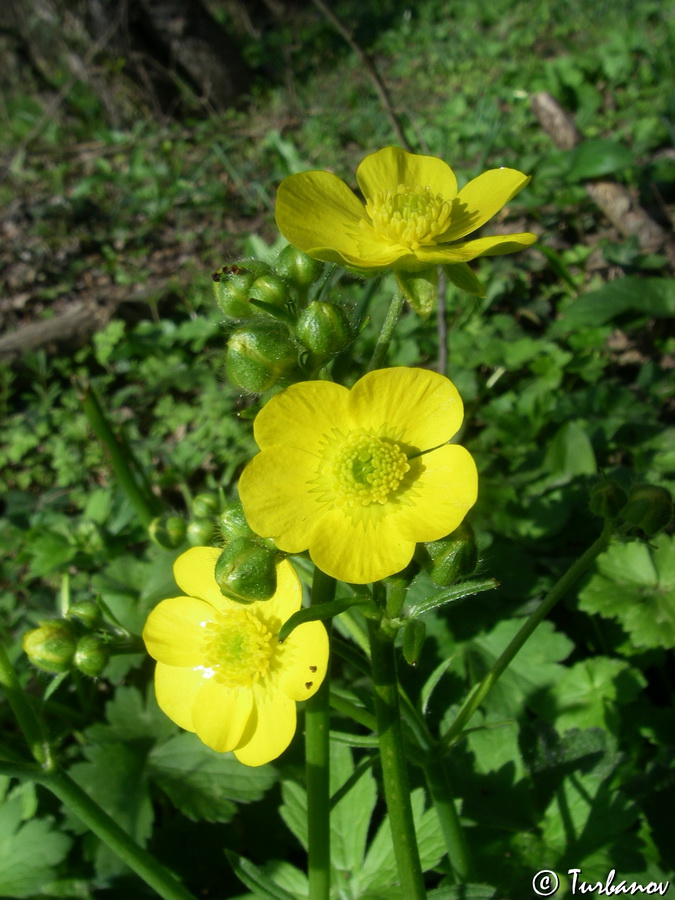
221,671
413,219
360,476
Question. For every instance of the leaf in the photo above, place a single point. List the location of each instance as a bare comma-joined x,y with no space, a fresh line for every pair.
463,892
203,784
653,297
635,584
256,879
131,718
570,453
29,852
350,815
596,158
50,551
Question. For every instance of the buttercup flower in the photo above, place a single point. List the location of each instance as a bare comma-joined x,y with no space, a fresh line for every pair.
221,671
413,217
359,476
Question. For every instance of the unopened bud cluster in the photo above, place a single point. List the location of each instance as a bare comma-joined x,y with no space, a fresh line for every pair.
74,642
246,568
279,332
642,511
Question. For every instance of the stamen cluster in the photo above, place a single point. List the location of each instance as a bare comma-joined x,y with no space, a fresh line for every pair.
409,216
368,469
238,648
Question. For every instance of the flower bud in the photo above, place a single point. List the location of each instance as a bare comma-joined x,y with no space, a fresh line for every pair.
295,266
259,355
91,655
649,508
324,329
167,531
607,499
86,611
204,505
414,634
200,532
270,289
232,287
246,572
452,557
232,522
50,647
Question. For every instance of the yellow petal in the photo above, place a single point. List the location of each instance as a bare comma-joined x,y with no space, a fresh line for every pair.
358,552
286,600
481,199
441,496
176,689
317,209
221,714
302,416
466,250
390,167
174,631
271,727
304,659
194,572
421,408
274,489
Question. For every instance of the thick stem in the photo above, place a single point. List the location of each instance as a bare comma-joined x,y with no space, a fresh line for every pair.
393,760
483,688
387,332
317,749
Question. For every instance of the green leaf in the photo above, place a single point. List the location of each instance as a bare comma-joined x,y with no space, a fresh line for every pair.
257,880
635,584
494,743
50,551
321,613
596,158
653,297
131,718
350,815
570,453
203,784
29,852
417,607
463,892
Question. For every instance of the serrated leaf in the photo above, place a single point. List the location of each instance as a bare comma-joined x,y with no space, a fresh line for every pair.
653,297
256,879
50,551
350,815
203,784
635,584
131,718
293,810
494,743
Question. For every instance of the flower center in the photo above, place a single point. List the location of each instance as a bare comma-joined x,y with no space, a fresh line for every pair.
408,216
367,470
238,648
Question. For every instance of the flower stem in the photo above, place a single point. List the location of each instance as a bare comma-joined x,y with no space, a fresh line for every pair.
393,760
23,711
453,833
317,748
483,688
387,332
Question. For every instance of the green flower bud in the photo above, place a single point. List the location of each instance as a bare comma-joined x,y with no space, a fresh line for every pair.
200,532
204,505
91,655
246,572
232,287
232,522
414,634
167,531
607,499
295,266
324,329
450,558
649,508
270,289
50,647
86,611
259,355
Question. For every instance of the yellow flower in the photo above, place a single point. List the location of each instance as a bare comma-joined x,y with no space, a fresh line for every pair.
359,476
413,217
221,671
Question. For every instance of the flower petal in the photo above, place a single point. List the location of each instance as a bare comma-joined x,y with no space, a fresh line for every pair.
442,495
481,199
221,714
391,166
466,250
356,551
271,727
302,416
286,600
276,492
176,689
194,572
304,658
317,209
421,407
174,631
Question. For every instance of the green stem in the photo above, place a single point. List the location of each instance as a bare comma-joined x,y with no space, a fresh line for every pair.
317,748
103,826
393,760
29,723
143,502
387,332
483,688
453,833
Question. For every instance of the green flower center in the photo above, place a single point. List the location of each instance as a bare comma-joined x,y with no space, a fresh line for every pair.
408,216
238,648
367,470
